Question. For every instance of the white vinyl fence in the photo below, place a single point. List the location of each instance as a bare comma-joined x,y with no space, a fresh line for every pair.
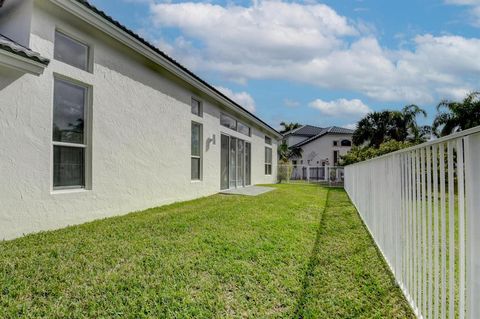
422,207
331,175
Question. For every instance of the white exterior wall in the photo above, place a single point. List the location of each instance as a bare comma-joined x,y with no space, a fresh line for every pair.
140,135
15,18
293,139
322,148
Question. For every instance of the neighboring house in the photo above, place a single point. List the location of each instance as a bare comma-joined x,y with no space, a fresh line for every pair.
95,122
320,146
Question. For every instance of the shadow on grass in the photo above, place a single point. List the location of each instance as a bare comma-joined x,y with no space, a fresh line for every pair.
312,264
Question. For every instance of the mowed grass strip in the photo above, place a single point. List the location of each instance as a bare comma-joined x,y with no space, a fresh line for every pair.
215,257
347,276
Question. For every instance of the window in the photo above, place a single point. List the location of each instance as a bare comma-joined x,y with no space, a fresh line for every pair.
346,143
196,156
242,128
69,135
71,51
335,143
268,140
235,125
335,158
268,161
227,121
196,107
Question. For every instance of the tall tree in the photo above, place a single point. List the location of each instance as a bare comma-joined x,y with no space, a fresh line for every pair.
373,129
377,127
457,116
286,153
415,133
289,126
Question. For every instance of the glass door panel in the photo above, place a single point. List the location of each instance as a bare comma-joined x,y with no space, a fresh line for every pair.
233,163
224,158
240,163
248,154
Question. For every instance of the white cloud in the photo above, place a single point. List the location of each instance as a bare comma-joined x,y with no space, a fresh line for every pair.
242,98
464,2
452,93
352,126
313,44
474,6
341,108
291,103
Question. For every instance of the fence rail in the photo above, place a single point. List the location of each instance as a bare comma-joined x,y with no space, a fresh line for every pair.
422,208
331,175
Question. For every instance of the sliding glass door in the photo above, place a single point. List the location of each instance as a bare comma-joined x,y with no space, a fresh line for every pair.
224,158
248,169
235,158
240,163
233,162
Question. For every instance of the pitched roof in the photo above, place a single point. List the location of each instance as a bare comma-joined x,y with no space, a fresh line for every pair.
305,130
325,131
117,24
11,46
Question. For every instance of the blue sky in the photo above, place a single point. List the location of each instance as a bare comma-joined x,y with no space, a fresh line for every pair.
318,62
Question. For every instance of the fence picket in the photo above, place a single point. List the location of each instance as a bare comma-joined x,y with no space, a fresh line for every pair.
424,215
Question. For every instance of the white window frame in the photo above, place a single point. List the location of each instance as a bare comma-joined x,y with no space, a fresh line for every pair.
200,156
268,140
338,157
74,38
236,124
268,164
200,106
87,161
249,128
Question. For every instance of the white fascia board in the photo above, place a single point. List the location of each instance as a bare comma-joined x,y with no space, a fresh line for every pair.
20,63
130,41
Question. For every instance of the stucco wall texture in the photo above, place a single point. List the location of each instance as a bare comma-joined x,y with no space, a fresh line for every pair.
140,135
322,148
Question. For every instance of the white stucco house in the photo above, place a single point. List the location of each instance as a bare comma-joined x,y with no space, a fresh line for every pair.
96,122
320,146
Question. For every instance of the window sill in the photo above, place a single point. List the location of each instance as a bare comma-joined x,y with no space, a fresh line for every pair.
196,181
69,191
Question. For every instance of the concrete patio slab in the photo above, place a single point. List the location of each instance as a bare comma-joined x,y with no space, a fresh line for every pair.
248,191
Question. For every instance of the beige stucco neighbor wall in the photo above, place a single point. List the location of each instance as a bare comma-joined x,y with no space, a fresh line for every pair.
140,136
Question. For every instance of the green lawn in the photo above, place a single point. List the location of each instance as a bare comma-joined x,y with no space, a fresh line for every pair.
297,252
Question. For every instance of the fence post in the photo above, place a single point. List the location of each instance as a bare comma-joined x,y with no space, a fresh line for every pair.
472,175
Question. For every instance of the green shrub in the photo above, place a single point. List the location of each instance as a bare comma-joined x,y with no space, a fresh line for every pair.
359,154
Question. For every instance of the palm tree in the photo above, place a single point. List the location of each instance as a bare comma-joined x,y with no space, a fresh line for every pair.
458,115
415,133
286,153
372,129
378,127
289,126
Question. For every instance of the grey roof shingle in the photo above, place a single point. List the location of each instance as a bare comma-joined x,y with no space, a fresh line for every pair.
325,131
15,48
305,130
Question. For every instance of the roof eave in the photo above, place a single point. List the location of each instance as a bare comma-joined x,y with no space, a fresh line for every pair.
21,63
89,16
